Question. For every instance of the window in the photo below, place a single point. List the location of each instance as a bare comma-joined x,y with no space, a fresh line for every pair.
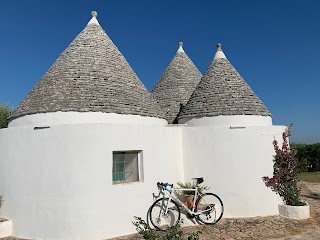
126,166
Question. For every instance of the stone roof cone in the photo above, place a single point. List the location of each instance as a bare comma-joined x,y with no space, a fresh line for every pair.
176,84
91,75
222,91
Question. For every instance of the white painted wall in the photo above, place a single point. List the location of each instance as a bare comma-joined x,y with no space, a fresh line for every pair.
57,118
57,182
233,162
235,120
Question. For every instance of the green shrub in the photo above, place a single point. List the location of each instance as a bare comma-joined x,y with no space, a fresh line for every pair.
174,233
5,111
308,156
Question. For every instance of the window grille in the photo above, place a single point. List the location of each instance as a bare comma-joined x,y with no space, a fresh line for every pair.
126,166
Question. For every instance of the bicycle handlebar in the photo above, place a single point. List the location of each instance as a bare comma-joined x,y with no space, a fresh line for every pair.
164,185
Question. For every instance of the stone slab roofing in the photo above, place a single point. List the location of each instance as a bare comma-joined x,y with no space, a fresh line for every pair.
91,75
222,91
176,84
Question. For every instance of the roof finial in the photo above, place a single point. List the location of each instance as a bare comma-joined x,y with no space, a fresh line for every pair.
180,49
219,47
219,52
94,19
94,14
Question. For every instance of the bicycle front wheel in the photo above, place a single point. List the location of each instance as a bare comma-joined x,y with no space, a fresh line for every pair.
164,214
210,208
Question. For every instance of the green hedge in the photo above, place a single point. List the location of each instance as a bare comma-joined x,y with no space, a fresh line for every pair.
5,111
308,156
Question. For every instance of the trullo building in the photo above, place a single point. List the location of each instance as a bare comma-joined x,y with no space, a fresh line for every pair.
176,85
85,148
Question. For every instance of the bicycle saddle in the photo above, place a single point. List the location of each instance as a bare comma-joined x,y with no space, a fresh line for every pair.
198,180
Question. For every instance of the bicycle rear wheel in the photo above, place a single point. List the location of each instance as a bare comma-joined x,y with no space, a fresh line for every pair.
162,220
210,208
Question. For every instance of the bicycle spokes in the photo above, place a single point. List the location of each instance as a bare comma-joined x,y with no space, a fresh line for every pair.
209,209
164,214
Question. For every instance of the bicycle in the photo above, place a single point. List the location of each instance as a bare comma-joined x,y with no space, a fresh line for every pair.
165,212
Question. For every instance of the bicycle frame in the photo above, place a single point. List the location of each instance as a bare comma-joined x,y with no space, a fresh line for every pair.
177,200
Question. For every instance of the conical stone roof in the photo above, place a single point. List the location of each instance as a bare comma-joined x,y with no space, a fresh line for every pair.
91,75
176,84
222,91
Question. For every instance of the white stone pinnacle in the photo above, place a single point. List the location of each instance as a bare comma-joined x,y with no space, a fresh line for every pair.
180,49
94,14
94,19
219,52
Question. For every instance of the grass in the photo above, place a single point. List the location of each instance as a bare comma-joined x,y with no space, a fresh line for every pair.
309,176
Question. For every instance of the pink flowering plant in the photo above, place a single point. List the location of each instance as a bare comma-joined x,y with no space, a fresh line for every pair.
285,169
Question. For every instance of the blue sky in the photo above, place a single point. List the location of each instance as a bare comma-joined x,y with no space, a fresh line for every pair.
274,45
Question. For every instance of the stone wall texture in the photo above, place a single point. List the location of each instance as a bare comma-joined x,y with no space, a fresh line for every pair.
222,91
90,75
176,85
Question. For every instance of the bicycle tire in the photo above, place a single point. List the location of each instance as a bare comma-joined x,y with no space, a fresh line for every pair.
163,221
206,202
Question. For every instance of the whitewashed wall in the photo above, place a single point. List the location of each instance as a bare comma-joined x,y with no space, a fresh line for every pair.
234,120
58,118
57,182
233,162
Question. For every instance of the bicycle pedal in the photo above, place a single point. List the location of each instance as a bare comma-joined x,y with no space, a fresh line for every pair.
191,215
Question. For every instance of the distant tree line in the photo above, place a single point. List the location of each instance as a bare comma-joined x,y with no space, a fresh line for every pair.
308,156
5,111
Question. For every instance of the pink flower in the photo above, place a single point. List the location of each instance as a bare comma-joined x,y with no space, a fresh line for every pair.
285,170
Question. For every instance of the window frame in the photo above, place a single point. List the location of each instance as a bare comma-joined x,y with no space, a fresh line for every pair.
139,157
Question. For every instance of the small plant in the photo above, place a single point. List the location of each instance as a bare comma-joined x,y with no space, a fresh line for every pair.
1,200
285,170
174,233
143,229
5,111
201,188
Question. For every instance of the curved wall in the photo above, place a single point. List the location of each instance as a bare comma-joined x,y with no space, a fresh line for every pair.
57,181
236,120
233,162
56,118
